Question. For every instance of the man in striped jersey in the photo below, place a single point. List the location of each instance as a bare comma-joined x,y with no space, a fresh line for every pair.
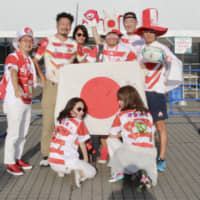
164,72
57,50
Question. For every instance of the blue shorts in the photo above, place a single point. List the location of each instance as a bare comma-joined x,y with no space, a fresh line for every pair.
157,105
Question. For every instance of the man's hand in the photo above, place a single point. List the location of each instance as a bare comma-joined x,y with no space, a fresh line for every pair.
14,78
43,81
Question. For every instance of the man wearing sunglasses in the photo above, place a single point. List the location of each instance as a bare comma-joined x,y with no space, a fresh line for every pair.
112,51
57,50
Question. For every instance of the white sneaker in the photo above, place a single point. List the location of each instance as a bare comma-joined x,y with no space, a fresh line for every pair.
76,178
44,162
60,174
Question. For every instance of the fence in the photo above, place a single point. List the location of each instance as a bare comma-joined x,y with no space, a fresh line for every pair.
188,91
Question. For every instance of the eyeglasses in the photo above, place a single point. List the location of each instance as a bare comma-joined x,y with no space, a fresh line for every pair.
79,109
80,34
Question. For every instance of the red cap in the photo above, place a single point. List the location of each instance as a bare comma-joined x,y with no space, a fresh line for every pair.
115,31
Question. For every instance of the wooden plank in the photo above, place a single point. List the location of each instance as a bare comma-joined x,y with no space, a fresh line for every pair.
47,185
117,190
181,175
188,170
87,189
97,183
167,191
66,190
76,193
106,186
127,189
12,181
56,188
40,181
148,194
157,190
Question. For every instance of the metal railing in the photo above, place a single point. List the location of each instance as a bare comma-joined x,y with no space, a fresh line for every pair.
188,91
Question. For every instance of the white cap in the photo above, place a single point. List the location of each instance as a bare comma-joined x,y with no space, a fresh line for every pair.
21,33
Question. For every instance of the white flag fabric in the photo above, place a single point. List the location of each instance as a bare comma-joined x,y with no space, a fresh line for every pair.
97,84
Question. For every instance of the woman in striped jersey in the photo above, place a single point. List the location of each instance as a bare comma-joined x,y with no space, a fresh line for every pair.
136,152
68,135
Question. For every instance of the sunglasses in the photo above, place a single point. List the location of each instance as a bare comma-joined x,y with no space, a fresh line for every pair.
80,34
79,109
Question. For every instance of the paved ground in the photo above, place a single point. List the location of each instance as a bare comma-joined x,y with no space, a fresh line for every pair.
181,180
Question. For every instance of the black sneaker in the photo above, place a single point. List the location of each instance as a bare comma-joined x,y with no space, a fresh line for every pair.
145,181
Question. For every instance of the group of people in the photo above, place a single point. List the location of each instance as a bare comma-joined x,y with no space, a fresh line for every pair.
134,123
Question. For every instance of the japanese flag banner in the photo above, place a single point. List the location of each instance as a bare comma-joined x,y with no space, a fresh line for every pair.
97,84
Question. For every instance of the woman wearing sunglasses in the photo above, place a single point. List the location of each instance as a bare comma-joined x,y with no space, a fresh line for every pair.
80,35
68,135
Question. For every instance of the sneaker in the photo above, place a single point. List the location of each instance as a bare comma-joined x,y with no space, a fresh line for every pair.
44,162
23,165
161,164
76,178
61,174
103,155
116,177
14,170
145,181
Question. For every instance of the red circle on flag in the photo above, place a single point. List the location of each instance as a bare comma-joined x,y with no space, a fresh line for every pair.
100,95
111,23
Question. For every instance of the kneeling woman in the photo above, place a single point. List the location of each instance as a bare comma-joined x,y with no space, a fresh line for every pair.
68,135
137,151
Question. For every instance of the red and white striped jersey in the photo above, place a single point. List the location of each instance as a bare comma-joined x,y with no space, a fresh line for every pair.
26,72
136,128
119,53
56,54
65,141
157,73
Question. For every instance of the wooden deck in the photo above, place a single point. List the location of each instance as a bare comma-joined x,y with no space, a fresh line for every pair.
181,180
